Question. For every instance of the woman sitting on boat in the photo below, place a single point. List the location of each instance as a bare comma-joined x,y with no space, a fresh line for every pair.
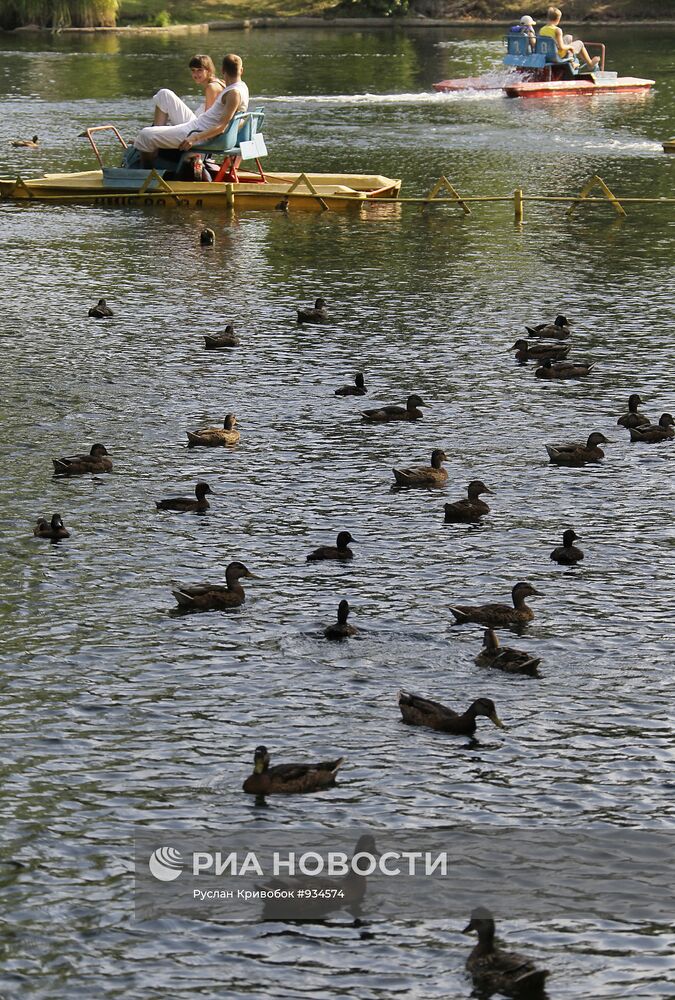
575,47
171,110
207,125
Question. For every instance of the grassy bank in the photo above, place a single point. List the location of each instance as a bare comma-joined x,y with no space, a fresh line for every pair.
147,11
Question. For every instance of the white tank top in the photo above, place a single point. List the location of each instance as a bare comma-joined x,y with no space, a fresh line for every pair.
215,114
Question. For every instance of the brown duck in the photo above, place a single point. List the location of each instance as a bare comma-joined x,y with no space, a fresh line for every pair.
101,310
53,529
511,661
25,143
214,437
563,369
424,475
578,454
559,329
340,550
186,505
226,339
496,971
383,414
340,629
528,352
418,711
663,431
632,418
567,554
289,778
316,315
97,460
358,389
214,596
499,614
470,510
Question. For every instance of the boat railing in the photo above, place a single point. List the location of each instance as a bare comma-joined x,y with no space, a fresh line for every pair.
89,134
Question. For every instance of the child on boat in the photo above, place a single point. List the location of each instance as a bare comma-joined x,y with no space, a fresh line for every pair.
565,48
525,27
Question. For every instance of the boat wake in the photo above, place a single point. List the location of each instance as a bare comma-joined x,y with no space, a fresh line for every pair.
424,97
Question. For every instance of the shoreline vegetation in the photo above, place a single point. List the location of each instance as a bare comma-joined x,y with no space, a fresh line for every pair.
203,15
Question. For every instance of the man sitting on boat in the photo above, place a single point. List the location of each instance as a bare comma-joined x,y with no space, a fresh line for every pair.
207,125
565,44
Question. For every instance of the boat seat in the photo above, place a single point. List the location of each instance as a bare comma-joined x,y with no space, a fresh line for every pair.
520,55
241,140
547,47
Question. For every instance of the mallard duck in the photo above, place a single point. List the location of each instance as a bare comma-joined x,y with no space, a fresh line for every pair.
499,614
288,899
528,352
289,778
652,435
79,465
563,369
559,329
25,143
340,550
358,389
511,661
316,315
383,414
578,454
567,554
213,437
497,971
633,418
470,510
424,475
101,310
215,596
53,529
226,339
187,505
207,238
340,630
418,711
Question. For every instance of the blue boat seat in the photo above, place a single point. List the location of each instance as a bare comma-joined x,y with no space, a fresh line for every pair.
547,47
520,55
241,140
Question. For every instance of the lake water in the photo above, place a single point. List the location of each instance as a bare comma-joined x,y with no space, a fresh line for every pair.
117,716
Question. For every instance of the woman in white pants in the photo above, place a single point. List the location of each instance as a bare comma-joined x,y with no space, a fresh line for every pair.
171,110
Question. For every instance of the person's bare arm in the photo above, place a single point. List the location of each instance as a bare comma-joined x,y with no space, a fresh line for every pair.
211,94
230,102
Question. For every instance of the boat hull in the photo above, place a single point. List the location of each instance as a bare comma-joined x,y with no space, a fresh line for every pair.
309,192
571,88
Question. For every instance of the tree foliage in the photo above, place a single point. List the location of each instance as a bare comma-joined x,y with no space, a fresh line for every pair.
58,13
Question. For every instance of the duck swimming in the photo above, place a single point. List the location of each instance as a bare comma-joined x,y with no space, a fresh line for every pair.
633,418
497,971
186,505
528,352
80,465
358,389
316,315
214,596
567,554
340,630
425,475
418,711
559,329
289,778
226,339
340,550
471,510
384,414
25,143
563,369
663,431
511,661
207,238
101,310
499,614
54,529
578,454
213,437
